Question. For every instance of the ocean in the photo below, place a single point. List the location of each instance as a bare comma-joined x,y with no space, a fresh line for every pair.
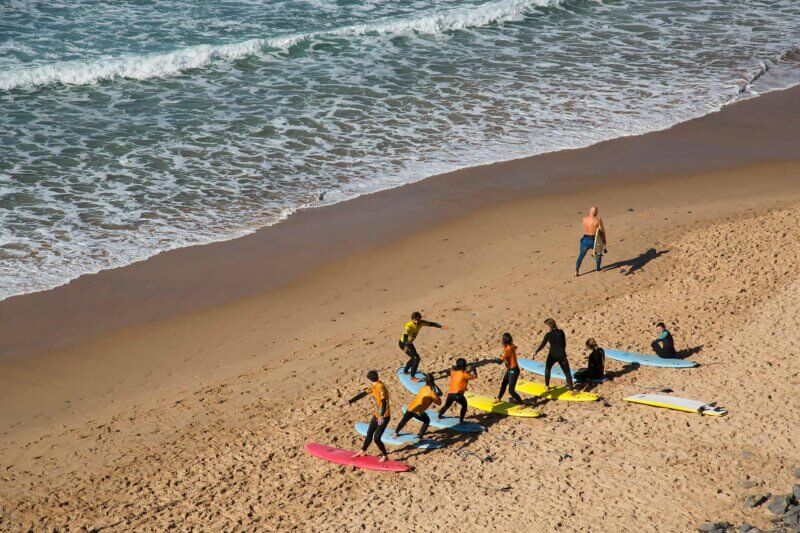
129,128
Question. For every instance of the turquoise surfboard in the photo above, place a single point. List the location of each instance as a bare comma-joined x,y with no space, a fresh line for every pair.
450,422
412,386
538,367
404,439
648,360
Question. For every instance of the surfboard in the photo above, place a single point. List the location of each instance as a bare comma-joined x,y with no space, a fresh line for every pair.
557,393
345,457
491,405
412,386
404,439
537,367
678,404
450,422
648,360
599,244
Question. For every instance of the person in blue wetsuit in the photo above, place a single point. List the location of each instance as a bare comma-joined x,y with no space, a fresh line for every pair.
664,346
591,223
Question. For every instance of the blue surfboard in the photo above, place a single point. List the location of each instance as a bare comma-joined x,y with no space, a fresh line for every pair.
451,423
538,367
404,439
412,386
648,360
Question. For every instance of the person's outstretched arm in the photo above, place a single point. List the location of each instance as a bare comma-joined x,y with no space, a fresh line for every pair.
545,340
357,397
433,324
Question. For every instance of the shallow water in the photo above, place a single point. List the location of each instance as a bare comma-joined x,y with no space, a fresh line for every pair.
129,128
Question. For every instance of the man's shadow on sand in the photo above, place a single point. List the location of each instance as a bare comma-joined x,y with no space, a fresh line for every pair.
637,263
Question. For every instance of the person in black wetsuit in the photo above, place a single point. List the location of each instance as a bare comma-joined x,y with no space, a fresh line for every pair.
380,419
557,353
597,362
663,345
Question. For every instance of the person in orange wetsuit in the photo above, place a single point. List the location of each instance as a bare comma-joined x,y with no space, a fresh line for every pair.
509,357
380,419
426,396
459,378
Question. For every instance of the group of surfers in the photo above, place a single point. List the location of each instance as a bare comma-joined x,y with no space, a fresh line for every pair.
462,373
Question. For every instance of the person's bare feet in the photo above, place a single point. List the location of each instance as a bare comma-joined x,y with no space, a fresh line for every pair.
382,459
415,380
359,453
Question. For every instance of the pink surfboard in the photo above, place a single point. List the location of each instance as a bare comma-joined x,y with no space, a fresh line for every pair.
345,457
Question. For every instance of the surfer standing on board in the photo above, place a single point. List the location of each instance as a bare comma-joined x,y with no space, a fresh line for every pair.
380,419
509,357
557,354
410,331
591,225
426,396
459,378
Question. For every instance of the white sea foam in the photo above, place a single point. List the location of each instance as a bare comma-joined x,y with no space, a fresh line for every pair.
142,67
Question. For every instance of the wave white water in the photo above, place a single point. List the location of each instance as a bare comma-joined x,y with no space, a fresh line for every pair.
142,67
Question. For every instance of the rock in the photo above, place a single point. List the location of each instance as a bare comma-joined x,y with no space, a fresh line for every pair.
796,492
744,528
713,527
754,500
797,473
779,504
792,520
749,484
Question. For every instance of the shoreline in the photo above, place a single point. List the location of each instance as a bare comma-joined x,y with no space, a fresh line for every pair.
165,285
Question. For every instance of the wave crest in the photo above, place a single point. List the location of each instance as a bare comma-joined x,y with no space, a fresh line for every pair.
142,67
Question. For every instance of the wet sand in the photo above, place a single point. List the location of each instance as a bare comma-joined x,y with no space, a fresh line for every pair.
182,389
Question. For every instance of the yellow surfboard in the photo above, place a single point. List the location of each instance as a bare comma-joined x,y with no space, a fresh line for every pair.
556,393
491,405
677,404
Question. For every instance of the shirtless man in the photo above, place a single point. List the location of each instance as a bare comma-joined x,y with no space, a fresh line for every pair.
591,223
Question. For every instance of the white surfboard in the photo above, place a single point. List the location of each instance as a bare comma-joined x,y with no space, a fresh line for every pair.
677,404
599,244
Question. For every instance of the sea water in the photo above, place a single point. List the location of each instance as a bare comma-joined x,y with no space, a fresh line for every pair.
128,128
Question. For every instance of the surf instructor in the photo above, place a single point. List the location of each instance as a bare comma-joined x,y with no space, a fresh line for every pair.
380,419
591,224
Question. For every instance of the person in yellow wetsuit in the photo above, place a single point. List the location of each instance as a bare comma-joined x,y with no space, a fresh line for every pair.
459,378
509,357
380,419
426,396
410,331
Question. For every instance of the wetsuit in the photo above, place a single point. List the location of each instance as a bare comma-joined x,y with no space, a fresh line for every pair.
596,369
509,357
586,244
664,345
410,331
375,430
557,354
416,409
458,386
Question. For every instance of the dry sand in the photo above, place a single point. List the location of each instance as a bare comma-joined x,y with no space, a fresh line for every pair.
198,421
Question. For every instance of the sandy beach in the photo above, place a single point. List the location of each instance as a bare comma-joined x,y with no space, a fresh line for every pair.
178,392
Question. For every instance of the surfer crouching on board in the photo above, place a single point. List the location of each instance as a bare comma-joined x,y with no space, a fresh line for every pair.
557,353
597,363
380,419
410,331
664,346
426,396
459,377
591,224
509,357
